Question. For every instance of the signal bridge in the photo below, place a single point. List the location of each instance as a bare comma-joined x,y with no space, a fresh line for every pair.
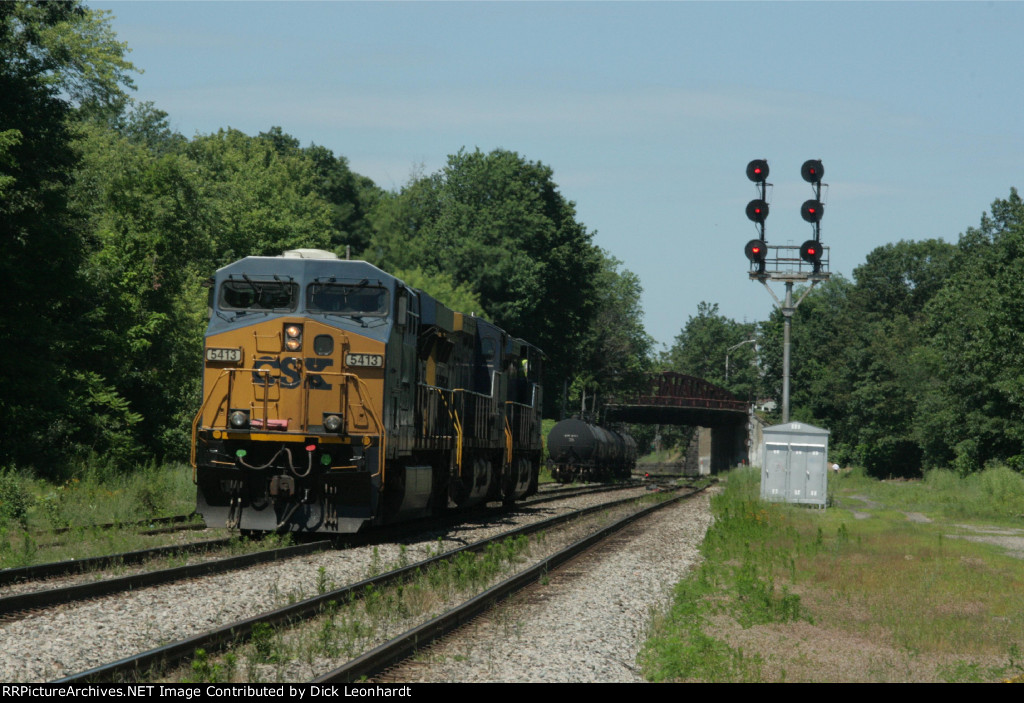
790,263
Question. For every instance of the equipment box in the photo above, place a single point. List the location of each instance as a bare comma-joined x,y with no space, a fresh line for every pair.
794,466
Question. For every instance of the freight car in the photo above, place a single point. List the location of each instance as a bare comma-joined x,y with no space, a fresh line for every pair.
337,397
579,451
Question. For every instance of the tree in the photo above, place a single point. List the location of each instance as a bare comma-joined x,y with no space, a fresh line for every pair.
976,331
264,200
497,223
351,197
617,349
58,61
703,345
441,287
151,244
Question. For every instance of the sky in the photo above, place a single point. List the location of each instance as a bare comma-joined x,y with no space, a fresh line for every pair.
647,112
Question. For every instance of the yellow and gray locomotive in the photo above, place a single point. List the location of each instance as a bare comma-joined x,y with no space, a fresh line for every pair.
335,396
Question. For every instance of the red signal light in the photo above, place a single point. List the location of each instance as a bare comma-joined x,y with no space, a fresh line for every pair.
812,171
810,251
812,210
755,250
757,170
757,210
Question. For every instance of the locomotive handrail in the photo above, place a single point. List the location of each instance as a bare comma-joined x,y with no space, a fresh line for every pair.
455,423
508,442
195,420
360,387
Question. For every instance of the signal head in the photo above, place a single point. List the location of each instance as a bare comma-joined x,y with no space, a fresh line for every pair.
812,171
810,251
756,250
757,170
812,210
757,210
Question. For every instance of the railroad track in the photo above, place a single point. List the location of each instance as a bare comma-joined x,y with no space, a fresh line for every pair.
92,564
19,605
146,663
74,566
384,658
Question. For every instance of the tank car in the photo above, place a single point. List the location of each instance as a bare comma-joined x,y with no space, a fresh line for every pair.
336,397
579,451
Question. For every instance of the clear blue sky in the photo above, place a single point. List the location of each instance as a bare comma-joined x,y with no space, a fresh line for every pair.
648,112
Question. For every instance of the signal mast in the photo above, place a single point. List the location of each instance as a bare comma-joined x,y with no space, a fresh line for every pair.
778,263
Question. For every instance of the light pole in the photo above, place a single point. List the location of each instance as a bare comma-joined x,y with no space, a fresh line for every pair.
727,351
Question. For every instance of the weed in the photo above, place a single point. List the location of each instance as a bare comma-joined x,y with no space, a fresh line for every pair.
970,672
15,499
203,670
895,581
267,644
375,565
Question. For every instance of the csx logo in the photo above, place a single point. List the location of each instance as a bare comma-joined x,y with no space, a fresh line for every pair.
290,369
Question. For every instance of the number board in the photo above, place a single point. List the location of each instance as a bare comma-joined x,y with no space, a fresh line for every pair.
233,356
375,360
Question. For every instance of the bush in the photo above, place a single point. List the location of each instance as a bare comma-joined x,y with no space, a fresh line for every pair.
15,499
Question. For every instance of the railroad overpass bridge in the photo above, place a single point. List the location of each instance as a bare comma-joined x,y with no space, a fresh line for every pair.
678,399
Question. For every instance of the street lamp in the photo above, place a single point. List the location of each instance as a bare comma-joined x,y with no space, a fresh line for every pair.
727,351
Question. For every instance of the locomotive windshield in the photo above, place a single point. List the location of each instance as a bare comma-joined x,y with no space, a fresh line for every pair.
356,300
249,294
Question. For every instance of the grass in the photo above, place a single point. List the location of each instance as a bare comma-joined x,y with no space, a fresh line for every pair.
786,593
32,510
665,456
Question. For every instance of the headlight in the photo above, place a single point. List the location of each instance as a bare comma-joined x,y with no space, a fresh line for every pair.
293,337
239,419
332,423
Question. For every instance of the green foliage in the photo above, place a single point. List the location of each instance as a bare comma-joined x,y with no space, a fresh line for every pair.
111,221
616,353
42,246
497,224
267,644
15,499
975,324
705,344
916,364
441,286
262,201
205,670
682,651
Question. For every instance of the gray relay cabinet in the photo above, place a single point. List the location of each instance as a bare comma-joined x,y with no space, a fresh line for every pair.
794,466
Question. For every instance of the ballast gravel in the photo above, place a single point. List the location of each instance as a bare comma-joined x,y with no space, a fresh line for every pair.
76,637
585,625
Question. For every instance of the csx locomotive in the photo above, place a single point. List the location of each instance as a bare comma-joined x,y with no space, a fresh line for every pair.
336,397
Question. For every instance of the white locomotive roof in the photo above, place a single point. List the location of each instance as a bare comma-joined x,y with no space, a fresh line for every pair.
309,254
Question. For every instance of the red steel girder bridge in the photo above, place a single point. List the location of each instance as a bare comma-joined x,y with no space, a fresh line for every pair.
677,399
